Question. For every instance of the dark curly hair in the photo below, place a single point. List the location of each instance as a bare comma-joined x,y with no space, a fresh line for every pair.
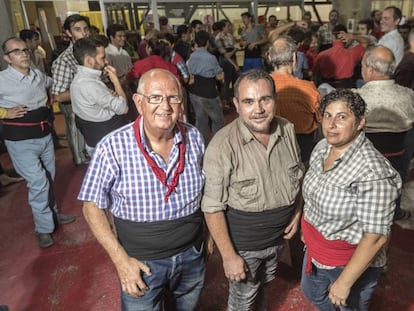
353,100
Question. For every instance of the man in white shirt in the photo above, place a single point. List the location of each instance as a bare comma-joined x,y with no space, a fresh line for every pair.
115,54
391,17
98,109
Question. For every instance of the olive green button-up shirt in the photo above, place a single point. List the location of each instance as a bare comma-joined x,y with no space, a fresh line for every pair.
244,174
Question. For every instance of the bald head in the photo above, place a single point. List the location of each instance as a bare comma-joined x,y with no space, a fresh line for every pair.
381,60
157,75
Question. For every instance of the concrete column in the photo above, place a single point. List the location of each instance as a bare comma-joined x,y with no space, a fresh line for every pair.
352,9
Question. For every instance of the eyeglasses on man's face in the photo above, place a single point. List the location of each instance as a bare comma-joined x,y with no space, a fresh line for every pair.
18,52
156,99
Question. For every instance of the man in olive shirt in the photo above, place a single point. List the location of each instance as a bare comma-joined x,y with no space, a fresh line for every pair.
253,175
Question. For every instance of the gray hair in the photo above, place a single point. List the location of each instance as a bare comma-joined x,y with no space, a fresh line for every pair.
281,52
378,63
4,45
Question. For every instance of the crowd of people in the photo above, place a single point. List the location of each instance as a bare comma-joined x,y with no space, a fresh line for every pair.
322,143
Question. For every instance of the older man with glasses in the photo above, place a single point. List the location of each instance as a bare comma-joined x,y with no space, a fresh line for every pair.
148,175
27,135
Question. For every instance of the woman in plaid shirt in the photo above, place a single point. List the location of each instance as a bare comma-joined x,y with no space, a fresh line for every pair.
349,192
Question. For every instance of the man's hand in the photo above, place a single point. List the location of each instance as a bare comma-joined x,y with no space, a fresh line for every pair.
251,46
112,74
235,268
16,112
302,24
129,272
293,226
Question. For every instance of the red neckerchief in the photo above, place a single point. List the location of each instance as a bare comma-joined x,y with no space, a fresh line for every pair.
158,171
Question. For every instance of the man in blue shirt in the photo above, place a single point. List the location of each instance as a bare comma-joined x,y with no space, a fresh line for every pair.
205,71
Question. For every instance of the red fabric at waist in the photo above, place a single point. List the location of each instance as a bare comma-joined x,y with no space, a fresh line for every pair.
41,123
326,252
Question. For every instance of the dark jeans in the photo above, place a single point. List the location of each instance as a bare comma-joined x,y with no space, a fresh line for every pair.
182,275
230,76
316,287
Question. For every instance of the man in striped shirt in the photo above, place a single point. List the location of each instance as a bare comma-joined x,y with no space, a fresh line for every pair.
148,175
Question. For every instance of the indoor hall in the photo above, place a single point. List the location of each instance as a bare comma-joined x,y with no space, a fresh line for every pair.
76,273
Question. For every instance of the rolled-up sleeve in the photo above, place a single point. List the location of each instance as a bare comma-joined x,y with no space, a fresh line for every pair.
376,200
216,186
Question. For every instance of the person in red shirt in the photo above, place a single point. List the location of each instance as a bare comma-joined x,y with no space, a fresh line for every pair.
335,66
158,52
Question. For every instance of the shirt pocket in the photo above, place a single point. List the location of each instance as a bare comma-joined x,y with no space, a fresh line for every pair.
295,174
246,191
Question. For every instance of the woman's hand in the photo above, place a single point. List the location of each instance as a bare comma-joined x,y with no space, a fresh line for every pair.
338,293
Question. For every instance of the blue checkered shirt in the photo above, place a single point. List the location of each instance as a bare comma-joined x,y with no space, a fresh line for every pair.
355,196
120,179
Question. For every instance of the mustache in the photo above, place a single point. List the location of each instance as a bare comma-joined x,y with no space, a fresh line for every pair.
260,115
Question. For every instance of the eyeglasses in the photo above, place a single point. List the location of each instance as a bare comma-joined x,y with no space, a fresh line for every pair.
157,99
18,52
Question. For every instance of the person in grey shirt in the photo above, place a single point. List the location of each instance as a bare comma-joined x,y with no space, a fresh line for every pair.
250,201
98,109
27,136
205,71
252,38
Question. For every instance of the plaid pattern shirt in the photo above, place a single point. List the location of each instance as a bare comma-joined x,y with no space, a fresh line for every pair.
120,179
355,196
64,69
178,61
224,41
325,34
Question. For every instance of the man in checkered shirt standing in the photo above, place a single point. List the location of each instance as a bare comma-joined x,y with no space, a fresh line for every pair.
148,175
63,70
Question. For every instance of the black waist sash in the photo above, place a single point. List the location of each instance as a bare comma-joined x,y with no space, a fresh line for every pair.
95,131
255,53
160,239
253,231
34,124
204,87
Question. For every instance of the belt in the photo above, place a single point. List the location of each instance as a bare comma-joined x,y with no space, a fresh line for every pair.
41,123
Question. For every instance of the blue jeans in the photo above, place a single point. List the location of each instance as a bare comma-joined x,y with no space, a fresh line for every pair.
205,108
252,63
182,275
261,270
316,287
75,138
34,160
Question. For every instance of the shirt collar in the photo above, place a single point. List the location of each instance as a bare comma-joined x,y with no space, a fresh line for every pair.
347,155
114,48
247,136
177,135
19,76
379,83
90,71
